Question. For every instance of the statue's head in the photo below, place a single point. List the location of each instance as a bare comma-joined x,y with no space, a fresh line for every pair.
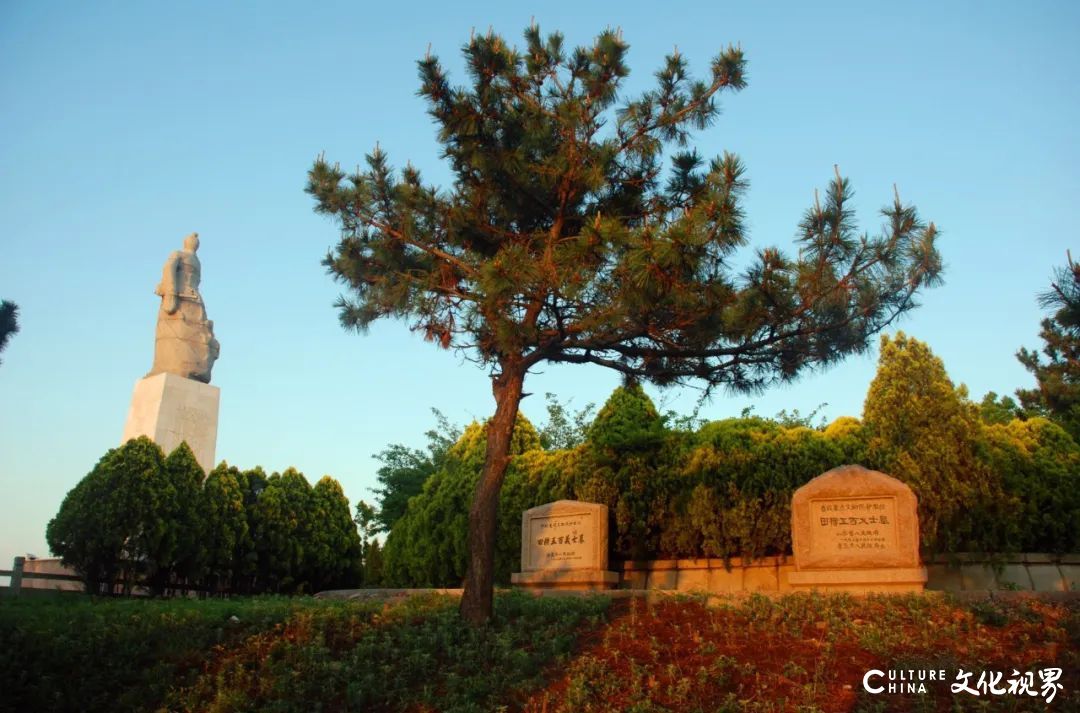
191,242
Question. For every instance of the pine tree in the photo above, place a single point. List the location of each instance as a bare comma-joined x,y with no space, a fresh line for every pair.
563,239
1057,395
9,322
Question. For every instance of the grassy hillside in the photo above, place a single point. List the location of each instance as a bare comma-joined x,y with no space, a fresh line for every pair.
796,653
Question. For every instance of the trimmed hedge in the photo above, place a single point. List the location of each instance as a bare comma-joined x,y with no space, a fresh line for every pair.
725,490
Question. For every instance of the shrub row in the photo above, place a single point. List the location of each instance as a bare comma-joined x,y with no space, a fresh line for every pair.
140,516
725,489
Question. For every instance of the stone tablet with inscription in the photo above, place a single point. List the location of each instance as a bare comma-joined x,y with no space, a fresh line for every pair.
855,529
565,544
565,534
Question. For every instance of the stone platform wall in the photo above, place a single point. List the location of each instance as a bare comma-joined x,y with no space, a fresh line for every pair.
1025,572
49,565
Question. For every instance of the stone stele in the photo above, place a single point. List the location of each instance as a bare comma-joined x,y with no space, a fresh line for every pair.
856,530
175,401
564,545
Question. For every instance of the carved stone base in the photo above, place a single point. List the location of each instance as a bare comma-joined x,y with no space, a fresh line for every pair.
170,409
860,581
586,579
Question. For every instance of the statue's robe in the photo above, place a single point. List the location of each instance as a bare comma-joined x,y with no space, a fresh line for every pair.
184,343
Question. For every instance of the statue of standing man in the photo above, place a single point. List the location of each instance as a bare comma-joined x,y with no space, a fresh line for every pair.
184,343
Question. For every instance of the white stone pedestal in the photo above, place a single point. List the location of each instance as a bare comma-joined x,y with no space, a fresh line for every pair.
170,409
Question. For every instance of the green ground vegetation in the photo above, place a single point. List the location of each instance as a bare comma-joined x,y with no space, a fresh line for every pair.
798,652
279,654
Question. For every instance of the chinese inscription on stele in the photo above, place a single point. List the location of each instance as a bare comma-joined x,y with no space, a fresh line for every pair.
854,524
558,538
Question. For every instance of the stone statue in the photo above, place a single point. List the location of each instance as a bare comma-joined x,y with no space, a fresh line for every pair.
184,343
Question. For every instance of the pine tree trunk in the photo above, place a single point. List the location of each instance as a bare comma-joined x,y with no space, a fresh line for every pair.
476,600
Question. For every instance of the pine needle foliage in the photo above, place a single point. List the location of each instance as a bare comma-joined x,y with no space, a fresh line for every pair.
581,227
1057,368
561,239
9,322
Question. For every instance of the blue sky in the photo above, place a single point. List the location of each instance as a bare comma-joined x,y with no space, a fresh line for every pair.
128,125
